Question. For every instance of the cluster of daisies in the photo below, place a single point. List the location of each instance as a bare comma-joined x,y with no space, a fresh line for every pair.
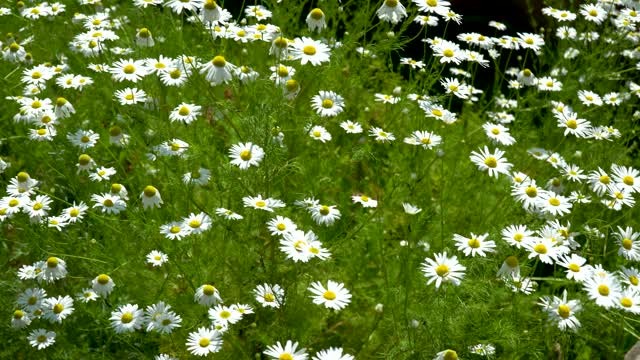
553,243
615,189
33,303
23,196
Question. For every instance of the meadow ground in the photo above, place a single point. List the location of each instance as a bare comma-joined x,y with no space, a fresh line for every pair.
322,180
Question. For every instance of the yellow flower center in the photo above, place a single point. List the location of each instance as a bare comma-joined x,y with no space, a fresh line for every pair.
633,280
58,308
448,53
36,104
281,227
32,300
554,201
13,203
269,297
129,69
37,206
194,224
245,155
174,229
219,61
540,249
605,179
285,356
317,134
225,314
571,124
574,267
324,210
512,261
518,237
309,50
116,188
628,180
260,203
291,85
450,355
626,302
175,146
210,5
18,314
74,212
283,71
103,279
442,270
281,42
144,33
126,318
564,311
329,295
129,97
150,191
108,203
593,12
473,243
42,132
327,103
491,162
436,112
115,130
184,111
84,159
23,176
627,243
175,74
316,14
208,290
52,262
41,338
603,290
